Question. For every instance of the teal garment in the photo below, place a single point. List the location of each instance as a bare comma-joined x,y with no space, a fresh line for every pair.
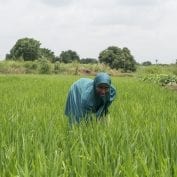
83,99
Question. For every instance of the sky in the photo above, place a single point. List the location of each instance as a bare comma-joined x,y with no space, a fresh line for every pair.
148,28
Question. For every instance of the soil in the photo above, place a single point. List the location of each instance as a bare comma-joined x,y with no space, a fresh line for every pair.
172,87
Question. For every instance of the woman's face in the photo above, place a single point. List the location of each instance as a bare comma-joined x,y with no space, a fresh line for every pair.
102,89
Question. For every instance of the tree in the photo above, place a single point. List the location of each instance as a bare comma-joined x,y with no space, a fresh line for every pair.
57,59
69,56
47,53
111,56
129,61
27,49
118,58
146,63
8,56
88,60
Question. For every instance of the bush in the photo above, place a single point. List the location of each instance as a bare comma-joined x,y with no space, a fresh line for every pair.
152,70
3,67
57,67
31,65
175,71
162,79
166,79
44,66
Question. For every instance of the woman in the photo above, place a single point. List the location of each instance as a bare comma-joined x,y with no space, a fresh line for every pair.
87,96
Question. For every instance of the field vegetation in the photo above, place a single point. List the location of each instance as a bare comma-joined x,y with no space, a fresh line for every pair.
46,67
137,139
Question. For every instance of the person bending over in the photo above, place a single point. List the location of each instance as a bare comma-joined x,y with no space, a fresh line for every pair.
87,97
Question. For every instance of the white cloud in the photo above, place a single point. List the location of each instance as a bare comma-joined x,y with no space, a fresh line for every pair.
146,27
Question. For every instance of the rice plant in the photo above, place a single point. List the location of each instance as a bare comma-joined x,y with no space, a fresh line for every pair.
138,138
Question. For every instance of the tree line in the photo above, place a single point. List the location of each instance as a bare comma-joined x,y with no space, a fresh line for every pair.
28,49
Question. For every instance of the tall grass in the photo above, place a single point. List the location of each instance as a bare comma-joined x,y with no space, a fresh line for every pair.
138,139
43,66
157,69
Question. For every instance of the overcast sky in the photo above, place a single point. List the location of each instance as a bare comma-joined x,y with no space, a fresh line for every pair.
147,27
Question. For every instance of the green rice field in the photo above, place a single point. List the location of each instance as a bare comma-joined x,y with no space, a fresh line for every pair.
138,139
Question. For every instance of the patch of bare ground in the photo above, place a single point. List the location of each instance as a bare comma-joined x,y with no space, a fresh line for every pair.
172,86
111,72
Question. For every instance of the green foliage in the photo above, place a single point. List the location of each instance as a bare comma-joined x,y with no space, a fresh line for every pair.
44,66
9,56
129,61
110,55
57,67
47,53
89,60
69,56
161,79
152,70
3,67
17,67
57,59
12,67
137,139
118,58
146,63
28,49
31,67
40,66
156,69
175,70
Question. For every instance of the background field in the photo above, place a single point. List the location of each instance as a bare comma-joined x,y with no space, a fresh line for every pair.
139,138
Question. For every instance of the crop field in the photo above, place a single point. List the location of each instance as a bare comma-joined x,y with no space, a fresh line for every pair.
138,138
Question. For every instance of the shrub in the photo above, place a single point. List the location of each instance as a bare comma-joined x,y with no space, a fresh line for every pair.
31,65
44,66
175,71
57,67
162,79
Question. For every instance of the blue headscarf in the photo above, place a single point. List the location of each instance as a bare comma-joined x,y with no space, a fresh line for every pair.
83,99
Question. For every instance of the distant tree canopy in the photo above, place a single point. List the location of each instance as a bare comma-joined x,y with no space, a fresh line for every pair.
69,56
146,63
47,53
118,58
88,60
27,49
